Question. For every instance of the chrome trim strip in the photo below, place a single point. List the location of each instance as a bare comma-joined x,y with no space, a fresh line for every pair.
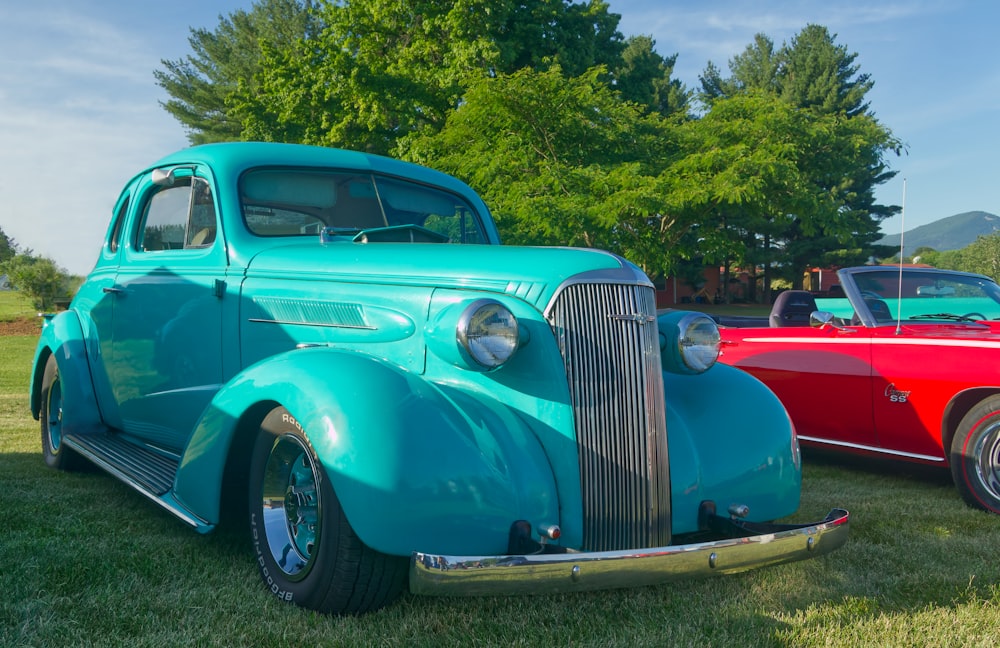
626,274
289,322
919,341
574,572
867,448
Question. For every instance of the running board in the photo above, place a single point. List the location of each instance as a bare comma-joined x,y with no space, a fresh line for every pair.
149,472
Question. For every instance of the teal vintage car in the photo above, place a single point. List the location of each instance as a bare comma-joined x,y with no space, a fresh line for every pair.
333,349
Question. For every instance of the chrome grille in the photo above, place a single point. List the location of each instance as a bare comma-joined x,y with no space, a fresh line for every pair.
610,347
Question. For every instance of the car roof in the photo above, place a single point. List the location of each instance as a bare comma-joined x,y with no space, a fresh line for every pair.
235,157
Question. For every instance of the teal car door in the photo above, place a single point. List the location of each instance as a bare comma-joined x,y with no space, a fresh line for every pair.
166,361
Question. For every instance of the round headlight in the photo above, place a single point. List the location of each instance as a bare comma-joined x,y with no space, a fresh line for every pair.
488,333
699,341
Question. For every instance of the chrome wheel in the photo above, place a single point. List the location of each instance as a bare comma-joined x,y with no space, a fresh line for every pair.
50,417
52,423
291,506
986,453
975,455
306,550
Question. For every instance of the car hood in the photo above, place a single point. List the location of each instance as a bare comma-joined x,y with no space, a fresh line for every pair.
532,273
972,331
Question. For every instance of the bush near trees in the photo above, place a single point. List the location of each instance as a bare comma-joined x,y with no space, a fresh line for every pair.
573,133
38,278
982,256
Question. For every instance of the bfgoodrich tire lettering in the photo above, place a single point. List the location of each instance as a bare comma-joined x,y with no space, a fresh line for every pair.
306,550
50,416
975,455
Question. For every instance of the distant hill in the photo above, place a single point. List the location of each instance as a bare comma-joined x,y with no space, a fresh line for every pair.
951,233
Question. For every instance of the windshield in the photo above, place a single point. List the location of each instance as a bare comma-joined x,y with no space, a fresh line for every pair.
924,295
295,202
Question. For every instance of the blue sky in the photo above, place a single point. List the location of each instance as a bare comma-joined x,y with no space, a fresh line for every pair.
80,113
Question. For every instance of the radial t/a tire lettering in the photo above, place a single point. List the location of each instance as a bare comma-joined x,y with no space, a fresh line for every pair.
50,416
975,455
306,551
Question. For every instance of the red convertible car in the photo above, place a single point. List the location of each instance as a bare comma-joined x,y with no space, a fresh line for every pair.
901,366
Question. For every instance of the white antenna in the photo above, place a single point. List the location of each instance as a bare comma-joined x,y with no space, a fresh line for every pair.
899,288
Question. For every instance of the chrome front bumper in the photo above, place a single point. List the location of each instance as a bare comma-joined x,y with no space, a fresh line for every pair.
574,572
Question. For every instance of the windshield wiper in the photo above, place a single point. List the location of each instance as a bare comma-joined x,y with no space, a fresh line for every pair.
951,317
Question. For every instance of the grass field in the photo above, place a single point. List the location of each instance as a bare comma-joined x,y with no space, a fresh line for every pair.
88,562
14,305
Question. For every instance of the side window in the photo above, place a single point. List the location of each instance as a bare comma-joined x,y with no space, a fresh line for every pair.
201,226
116,232
179,217
407,203
166,219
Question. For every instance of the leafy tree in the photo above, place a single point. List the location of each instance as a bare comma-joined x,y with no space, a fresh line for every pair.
380,70
362,73
39,278
816,73
564,162
535,33
982,256
644,77
226,61
841,161
756,68
8,247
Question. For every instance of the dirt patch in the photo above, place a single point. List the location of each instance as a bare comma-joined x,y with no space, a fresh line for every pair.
21,326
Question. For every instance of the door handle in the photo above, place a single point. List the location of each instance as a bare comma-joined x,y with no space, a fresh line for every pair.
112,290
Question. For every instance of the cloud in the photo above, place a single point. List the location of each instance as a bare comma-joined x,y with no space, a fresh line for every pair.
718,31
79,114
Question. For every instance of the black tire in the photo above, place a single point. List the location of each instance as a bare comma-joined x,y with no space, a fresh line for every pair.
50,416
975,455
311,557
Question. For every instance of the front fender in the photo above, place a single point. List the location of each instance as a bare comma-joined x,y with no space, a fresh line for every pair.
415,465
62,337
719,453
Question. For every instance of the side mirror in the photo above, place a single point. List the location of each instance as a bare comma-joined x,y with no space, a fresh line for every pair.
163,178
819,319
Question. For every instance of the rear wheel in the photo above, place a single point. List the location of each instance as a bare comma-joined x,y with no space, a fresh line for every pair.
55,453
307,552
975,455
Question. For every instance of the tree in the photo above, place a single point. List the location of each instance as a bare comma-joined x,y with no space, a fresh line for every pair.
644,77
982,256
380,70
225,62
756,68
361,74
564,161
39,278
8,247
567,162
816,73
843,158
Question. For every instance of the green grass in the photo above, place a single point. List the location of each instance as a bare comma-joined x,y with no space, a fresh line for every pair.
14,305
88,562
746,310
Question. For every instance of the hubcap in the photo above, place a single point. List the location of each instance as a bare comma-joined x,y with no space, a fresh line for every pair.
987,454
53,420
291,506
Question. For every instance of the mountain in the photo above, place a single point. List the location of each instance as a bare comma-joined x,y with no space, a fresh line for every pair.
951,233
